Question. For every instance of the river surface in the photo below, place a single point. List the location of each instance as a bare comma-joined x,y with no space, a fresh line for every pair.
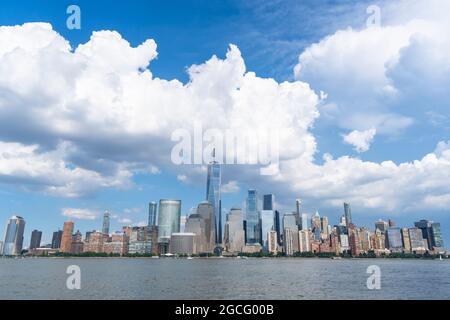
253,278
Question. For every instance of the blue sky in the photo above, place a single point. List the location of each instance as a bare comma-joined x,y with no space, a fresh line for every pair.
270,36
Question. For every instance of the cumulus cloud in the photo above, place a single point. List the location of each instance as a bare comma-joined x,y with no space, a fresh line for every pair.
81,214
77,120
230,187
360,140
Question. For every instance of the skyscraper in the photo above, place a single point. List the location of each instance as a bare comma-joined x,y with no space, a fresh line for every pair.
267,217
298,202
213,183
105,228
252,218
304,225
234,237
168,219
406,240
425,227
66,240
152,213
35,239
348,213
268,202
56,239
277,225
13,241
202,224
381,225
394,239
416,239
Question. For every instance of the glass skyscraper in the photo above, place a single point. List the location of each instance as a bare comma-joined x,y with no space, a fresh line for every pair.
268,201
213,196
253,220
105,228
13,242
168,219
152,213
347,213
436,235
35,241
394,239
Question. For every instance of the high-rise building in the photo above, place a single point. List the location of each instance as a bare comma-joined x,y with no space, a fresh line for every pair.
347,213
106,223
77,243
213,184
342,221
405,239
152,213
391,223
267,217
272,242
394,239
144,240
381,225
324,225
169,216
277,225
202,224
436,236
268,202
417,242
353,239
298,203
56,239
304,225
66,240
290,234
234,238
35,241
425,227
253,219
118,244
182,243
315,222
13,241
303,241
94,243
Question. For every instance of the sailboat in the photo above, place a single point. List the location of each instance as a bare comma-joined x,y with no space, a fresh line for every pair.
440,257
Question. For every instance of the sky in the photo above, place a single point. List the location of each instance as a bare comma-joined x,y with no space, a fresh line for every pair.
360,109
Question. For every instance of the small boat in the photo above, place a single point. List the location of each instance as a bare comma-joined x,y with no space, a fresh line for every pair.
336,258
440,258
190,258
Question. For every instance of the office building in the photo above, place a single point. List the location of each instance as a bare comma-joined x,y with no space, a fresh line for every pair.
202,224
324,226
106,223
118,244
234,238
267,217
405,239
253,219
56,239
381,225
213,184
436,236
35,241
316,224
394,239
168,220
304,224
268,202
304,240
66,240
272,242
152,213
290,241
347,214
416,239
425,227
297,214
13,240
95,242
182,243
277,225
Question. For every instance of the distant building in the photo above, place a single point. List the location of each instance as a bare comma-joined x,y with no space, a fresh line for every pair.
117,245
13,241
234,237
144,240
277,225
253,220
353,239
66,240
381,225
304,224
202,224
316,224
95,242
106,223
416,239
267,217
213,196
56,239
169,216
304,243
268,202
405,239
344,244
324,225
394,239
425,227
436,237
182,243
290,242
272,242
35,241
298,220
348,214
152,213
77,243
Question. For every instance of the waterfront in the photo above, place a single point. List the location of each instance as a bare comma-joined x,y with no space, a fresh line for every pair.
253,278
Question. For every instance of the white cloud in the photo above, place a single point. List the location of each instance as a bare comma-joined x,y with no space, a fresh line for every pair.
182,177
81,214
360,140
125,221
230,187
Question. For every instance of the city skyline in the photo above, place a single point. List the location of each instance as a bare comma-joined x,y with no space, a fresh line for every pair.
360,129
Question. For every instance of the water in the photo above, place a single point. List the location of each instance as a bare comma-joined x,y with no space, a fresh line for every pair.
115,278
